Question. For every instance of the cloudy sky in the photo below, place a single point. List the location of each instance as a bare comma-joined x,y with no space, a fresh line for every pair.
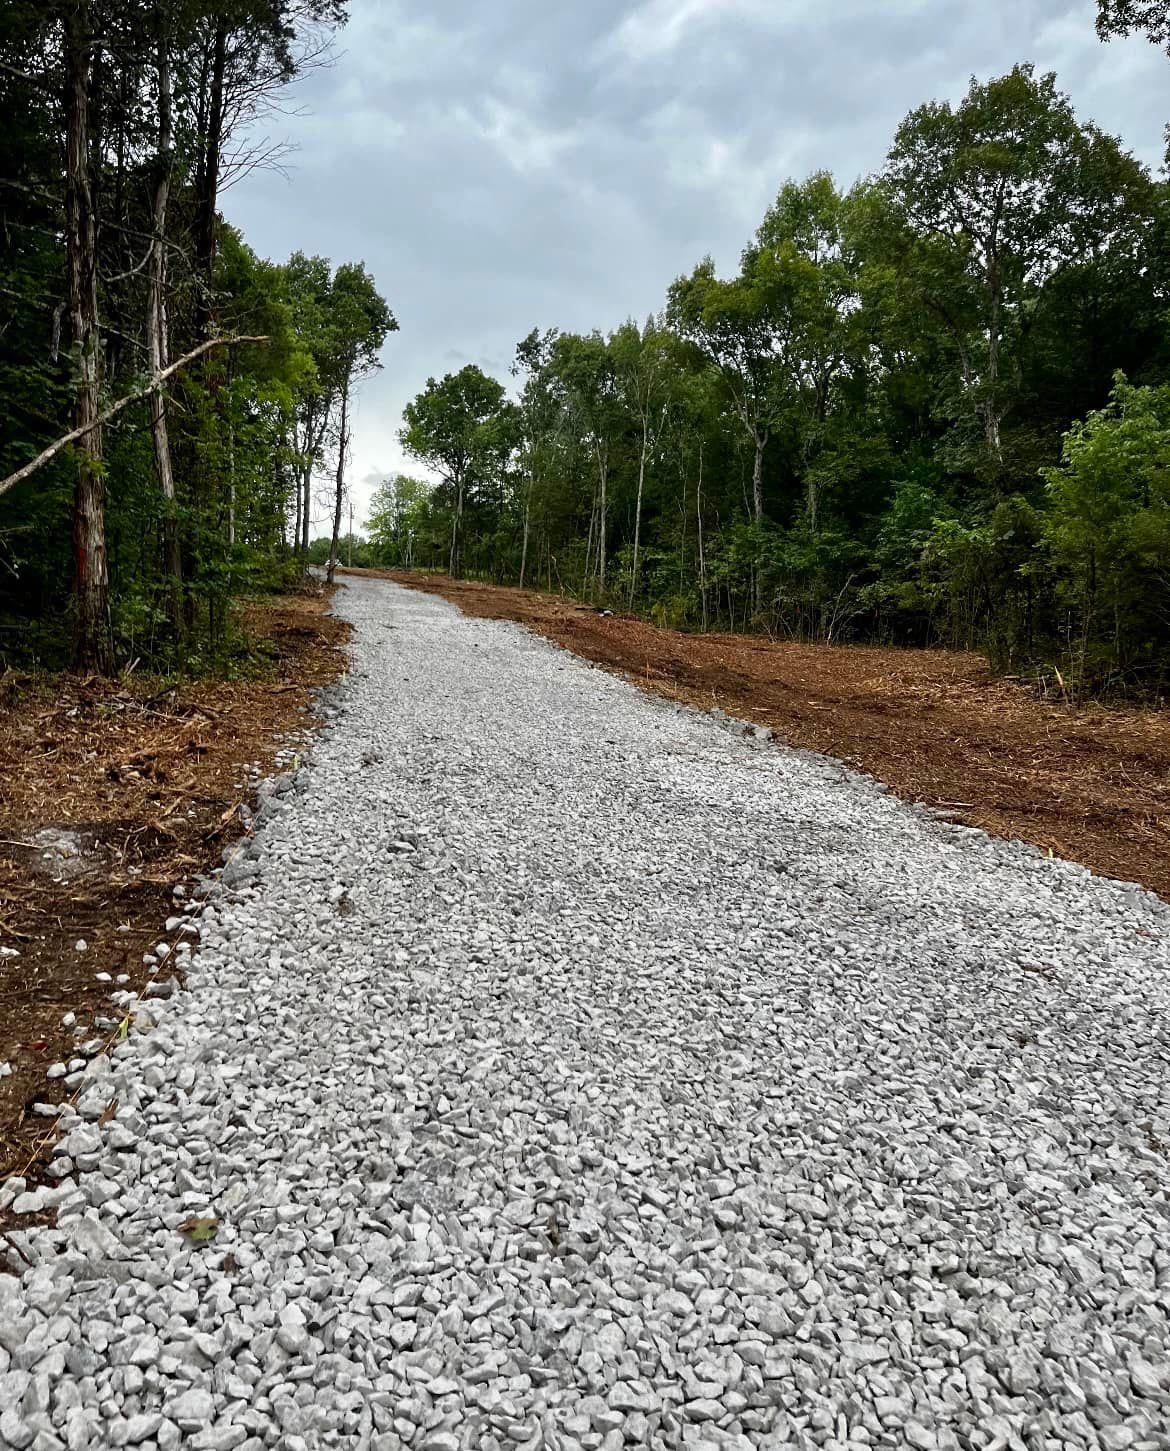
549,163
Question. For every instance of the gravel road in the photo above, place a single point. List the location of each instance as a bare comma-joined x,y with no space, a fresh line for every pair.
562,1069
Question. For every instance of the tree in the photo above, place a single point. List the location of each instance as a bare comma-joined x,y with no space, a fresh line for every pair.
734,324
359,322
125,122
307,284
643,371
397,517
537,414
241,54
802,258
157,334
1124,17
462,427
585,377
990,201
1108,527
93,644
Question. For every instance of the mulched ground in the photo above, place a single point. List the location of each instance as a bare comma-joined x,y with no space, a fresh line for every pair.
1091,784
152,782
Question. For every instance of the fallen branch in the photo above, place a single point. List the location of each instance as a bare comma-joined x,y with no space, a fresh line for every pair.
115,408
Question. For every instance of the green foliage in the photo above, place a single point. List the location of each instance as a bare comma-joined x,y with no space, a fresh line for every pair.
985,205
1124,17
457,425
353,551
858,434
404,531
869,429
463,427
1107,526
235,419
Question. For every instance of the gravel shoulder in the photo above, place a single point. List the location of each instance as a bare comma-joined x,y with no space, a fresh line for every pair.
562,1068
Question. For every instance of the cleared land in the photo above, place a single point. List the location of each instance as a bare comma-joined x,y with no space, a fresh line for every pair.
145,787
1090,784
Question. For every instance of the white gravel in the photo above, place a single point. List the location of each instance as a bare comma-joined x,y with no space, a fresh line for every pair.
565,1070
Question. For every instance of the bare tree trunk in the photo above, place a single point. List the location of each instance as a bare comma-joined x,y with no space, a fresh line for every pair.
314,440
300,494
638,507
589,540
524,546
231,519
992,430
991,415
455,562
156,331
93,644
603,480
761,440
702,555
279,482
339,494
301,447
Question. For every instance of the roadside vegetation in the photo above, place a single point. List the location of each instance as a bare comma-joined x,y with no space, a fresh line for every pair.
172,401
930,409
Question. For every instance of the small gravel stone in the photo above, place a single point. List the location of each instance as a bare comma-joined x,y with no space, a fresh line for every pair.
142,1427
193,1410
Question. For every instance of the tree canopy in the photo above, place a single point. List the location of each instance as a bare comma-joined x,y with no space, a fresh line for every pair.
460,427
1125,17
195,459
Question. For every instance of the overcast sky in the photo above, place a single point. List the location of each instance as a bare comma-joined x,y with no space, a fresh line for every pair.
556,163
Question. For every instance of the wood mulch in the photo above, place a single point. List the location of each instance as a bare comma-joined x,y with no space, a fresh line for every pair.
1088,783
149,784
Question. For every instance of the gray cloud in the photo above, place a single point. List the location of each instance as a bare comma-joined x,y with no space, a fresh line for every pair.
506,166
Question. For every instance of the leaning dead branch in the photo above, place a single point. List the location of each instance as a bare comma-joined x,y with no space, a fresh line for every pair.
143,391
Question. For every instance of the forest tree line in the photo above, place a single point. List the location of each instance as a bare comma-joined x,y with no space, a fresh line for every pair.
933,407
170,398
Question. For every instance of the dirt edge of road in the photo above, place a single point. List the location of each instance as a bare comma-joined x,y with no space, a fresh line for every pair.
143,789
1090,784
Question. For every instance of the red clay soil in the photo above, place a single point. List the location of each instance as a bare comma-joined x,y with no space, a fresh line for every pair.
1091,784
150,784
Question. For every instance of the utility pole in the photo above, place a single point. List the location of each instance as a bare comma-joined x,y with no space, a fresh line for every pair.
350,533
